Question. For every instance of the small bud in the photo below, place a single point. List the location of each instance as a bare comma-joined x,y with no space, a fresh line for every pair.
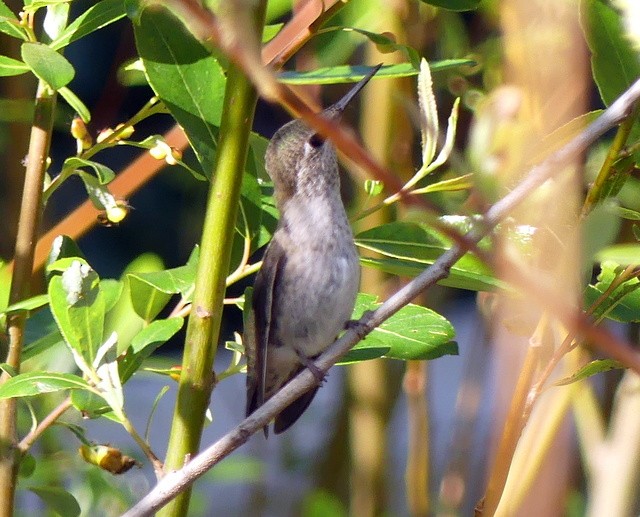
78,129
104,134
117,213
126,132
107,458
159,152
114,214
174,372
162,151
174,156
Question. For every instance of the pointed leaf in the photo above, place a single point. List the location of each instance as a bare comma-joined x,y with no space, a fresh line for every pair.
455,5
186,76
9,23
352,74
591,369
623,304
102,172
9,66
77,105
97,16
408,248
34,383
428,114
449,140
146,342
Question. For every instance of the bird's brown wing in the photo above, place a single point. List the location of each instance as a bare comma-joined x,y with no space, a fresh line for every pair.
262,305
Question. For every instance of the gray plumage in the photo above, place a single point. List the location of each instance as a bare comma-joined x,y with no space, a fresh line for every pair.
305,290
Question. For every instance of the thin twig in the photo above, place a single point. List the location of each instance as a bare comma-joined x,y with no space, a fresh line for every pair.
46,422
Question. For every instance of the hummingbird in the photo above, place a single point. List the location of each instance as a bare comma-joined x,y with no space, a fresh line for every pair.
305,291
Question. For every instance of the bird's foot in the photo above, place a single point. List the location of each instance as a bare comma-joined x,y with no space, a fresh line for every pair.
317,373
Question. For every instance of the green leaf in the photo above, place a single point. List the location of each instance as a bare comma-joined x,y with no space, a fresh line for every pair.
455,5
96,17
112,290
414,332
386,44
408,248
270,31
99,193
623,254
77,105
102,172
9,23
186,76
623,304
47,64
34,383
614,62
63,247
352,74
591,369
89,404
627,213
155,334
320,503
146,297
58,500
9,66
29,304
145,343
78,306
27,466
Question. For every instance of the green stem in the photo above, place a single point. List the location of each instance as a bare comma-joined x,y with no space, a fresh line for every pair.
26,238
596,192
197,379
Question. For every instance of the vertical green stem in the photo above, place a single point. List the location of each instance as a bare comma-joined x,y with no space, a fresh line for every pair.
197,379
30,211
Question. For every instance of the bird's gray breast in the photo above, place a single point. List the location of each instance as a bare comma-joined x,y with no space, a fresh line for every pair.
315,295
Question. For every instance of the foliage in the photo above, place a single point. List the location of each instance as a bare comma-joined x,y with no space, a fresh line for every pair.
111,327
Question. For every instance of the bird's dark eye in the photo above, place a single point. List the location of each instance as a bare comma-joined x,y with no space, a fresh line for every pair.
315,140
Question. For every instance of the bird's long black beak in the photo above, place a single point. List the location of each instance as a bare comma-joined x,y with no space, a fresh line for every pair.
336,109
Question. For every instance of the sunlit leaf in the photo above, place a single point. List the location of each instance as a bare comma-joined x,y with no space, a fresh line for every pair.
186,76
34,383
78,307
623,304
408,248
414,332
591,369
47,64
9,66
96,17
77,105
353,73
9,23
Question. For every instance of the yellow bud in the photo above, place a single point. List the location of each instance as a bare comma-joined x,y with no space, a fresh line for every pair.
107,458
104,134
126,132
159,152
78,129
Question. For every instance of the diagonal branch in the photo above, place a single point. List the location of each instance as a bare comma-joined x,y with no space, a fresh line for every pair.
174,482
